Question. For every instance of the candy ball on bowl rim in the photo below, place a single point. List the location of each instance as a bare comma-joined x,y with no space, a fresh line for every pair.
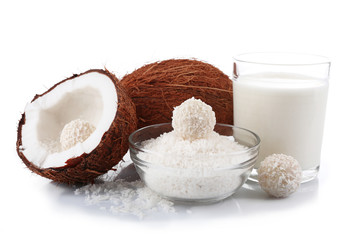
279,175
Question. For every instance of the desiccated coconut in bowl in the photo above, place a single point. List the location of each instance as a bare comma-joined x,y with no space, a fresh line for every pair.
193,159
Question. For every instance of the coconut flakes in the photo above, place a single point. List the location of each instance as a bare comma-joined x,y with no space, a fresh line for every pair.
119,196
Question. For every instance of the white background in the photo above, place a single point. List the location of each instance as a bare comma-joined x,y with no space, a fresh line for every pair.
43,42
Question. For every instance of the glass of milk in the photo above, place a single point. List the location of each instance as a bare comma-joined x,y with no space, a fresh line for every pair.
282,98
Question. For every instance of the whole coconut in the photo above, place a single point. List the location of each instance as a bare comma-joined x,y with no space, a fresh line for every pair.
158,87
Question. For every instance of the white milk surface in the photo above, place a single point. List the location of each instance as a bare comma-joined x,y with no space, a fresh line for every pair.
287,111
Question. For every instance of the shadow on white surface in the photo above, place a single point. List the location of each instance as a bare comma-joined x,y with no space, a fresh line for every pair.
249,200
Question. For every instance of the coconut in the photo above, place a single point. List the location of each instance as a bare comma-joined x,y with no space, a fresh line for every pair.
78,129
158,87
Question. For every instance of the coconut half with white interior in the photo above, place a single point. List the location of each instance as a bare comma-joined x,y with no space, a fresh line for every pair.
78,129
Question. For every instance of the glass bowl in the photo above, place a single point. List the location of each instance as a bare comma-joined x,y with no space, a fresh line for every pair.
201,182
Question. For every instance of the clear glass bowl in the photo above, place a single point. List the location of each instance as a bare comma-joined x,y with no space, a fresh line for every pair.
200,183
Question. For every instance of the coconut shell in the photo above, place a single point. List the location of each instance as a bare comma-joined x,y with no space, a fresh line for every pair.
158,87
113,146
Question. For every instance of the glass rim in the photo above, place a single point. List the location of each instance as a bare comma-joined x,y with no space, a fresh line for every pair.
281,58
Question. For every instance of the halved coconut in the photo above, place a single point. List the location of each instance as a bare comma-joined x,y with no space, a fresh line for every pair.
78,129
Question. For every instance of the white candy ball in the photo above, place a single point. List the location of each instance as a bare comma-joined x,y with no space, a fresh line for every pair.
193,119
279,175
74,132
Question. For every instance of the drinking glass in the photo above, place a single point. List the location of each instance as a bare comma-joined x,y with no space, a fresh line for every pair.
282,98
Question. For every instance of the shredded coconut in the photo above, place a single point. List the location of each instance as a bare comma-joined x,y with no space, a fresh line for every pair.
172,151
190,162
194,167
279,175
122,197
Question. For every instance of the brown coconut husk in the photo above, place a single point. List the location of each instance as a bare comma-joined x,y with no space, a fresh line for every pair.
158,87
110,151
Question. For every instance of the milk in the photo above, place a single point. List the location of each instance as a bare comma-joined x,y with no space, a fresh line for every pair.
286,110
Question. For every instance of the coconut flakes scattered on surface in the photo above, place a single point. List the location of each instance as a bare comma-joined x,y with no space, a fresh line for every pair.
119,196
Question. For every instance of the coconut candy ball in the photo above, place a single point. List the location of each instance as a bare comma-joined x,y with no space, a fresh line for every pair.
279,175
74,132
193,119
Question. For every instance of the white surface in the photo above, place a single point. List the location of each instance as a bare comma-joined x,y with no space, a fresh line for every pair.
43,42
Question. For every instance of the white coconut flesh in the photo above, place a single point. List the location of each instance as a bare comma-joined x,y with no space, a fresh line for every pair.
91,97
